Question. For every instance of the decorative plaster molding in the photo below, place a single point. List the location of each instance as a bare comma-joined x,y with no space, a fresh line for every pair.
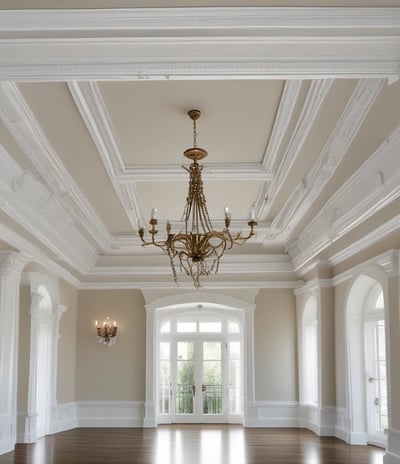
287,104
352,204
18,118
332,154
12,262
366,241
55,68
170,284
243,171
316,95
66,45
217,19
39,212
314,284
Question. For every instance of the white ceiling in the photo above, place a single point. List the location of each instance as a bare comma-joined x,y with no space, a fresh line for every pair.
300,116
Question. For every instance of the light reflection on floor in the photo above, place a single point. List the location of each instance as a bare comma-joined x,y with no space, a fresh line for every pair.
214,445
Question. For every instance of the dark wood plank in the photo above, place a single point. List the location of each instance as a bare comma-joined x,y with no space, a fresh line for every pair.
191,444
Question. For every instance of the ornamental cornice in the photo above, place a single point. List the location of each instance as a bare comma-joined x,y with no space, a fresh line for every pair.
12,262
332,154
353,203
232,19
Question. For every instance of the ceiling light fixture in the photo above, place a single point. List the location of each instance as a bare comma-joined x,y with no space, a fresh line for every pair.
197,248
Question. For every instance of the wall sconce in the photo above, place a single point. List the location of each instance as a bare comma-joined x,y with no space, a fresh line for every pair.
107,333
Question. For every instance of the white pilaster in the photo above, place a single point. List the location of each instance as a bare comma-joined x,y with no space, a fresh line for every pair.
11,265
250,407
150,419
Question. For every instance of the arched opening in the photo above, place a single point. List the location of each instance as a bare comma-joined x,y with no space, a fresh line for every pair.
310,357
200,371
366,346
199,359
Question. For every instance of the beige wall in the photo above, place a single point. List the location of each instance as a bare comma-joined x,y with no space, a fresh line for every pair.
66,362
116,373
275,346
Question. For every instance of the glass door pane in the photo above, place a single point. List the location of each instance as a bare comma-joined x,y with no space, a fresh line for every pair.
185,389
164,385
212,378
234,375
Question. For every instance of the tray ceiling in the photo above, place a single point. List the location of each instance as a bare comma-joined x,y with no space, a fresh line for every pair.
313,151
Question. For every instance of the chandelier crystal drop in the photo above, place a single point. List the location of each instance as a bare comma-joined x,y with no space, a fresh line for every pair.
197,248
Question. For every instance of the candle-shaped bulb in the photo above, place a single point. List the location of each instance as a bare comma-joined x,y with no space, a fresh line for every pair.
227,213
253,214
153,213
115,323
96,323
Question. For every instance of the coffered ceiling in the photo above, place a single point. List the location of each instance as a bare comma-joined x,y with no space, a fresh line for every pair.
300,117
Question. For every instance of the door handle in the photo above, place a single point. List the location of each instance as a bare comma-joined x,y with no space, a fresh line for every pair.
371,379
194,389
376,402
203,388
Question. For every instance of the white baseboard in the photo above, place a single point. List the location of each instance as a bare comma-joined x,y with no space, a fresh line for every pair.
274,414
110,413
392,455
7,433
63,417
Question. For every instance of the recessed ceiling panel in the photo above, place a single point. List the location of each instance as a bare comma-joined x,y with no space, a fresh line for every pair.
152,127
55,111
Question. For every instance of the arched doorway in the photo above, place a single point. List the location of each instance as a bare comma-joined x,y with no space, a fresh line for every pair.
210,337
200,369
367,373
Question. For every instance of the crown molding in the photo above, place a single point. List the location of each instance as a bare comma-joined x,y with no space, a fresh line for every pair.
39,211
353,203
142,285
316,95
199,43
332,154
18,118
312,285
232,20
287,104
389,261
35,254
23,63
368,240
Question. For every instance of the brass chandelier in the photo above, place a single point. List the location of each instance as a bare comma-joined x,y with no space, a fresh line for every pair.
197,248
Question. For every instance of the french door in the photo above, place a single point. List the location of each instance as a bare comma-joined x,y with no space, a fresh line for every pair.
376,382
198,381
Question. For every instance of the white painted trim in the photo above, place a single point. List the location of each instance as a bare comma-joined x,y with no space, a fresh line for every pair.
329,159
170,284
283,43
313,284
110,413
392,455
353,203
204,18
367,240
316,95
19,119
63,417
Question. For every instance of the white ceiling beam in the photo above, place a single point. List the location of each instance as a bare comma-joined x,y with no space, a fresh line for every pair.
199,43
329,159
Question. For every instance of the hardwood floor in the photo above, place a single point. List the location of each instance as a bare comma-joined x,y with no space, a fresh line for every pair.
191,444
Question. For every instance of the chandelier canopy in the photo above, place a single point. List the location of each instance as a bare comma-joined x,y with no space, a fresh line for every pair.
197,248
